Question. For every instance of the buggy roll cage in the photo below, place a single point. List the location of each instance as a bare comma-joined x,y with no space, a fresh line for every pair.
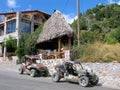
73,62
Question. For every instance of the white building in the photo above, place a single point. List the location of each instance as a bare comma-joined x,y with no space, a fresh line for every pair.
15,23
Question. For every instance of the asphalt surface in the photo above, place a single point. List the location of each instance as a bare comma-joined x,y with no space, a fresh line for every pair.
12,80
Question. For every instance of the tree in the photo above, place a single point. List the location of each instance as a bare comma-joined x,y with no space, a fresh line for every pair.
31,41
21,49
95,26
28,42
83,23
11,44
114,36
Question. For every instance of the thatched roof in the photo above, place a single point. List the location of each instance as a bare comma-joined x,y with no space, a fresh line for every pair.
56,26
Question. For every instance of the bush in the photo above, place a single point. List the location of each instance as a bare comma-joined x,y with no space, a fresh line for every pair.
11,44
97,52
95,26
114,36
76,52
21,49
9,55
111,40
31,41
27,45
82,51
88,37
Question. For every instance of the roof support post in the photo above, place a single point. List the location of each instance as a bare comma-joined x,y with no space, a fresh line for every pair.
69,42
59,45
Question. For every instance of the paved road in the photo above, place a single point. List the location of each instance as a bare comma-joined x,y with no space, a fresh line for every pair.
11,80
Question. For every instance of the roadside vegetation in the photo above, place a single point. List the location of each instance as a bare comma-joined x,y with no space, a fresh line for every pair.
100,34
27,45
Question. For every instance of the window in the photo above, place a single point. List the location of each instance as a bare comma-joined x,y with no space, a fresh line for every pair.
25,27
11,27
1,30
1,18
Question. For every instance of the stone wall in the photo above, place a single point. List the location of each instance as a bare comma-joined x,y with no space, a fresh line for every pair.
109,73
51,63
14,60
1,59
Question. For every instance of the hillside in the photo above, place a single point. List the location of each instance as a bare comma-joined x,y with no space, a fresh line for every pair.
100,34
102,17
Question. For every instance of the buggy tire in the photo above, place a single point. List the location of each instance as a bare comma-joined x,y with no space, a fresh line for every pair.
55,77
21,70
32,72
95,82
46,73
84,81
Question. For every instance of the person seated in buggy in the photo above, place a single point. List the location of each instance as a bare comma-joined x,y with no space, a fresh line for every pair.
69,68
29,60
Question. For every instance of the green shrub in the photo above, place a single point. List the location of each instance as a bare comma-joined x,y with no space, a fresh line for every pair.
111,40
114,36
95,26
27,45
88,37
76,52
82,51
31,41
9,55
21,49
11,44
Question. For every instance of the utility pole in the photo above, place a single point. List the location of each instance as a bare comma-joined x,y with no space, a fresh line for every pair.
78,22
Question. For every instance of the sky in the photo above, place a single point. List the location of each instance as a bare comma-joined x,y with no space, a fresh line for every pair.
66,7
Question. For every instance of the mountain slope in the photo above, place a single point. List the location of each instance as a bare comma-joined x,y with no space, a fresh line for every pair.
102,17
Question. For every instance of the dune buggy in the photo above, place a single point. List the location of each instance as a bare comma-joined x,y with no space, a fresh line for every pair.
32,68
73,71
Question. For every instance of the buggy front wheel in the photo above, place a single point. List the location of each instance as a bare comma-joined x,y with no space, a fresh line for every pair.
84,81
21,70
55,77
32,72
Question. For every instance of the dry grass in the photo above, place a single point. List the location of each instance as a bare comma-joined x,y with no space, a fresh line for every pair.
99,52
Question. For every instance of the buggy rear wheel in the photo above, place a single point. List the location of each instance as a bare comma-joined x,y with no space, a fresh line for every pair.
95,82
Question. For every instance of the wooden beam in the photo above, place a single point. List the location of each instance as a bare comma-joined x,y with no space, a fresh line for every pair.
69,42
59,45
